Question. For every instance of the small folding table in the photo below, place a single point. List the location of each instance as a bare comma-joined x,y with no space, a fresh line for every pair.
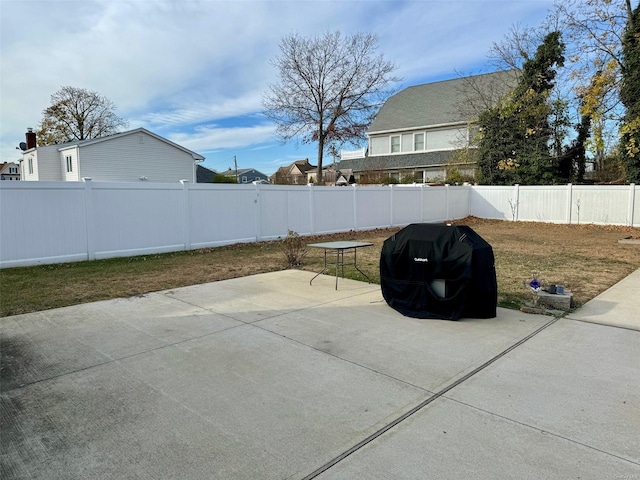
339,249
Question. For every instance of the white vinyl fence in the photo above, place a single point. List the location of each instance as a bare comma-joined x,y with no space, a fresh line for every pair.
570,204
51,222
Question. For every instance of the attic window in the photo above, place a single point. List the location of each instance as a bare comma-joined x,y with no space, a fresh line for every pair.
395,144
141,138
69,163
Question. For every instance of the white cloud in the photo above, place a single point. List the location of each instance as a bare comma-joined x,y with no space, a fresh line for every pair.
205,110
211,137
170,64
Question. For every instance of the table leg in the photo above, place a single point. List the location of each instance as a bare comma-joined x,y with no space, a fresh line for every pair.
355,265
323,270
339,263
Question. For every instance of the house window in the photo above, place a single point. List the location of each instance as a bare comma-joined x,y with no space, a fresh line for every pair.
406,142
379,145
244,179
395,144
69,163
418,142
31,165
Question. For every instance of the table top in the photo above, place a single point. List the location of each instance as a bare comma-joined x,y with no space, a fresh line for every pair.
340,245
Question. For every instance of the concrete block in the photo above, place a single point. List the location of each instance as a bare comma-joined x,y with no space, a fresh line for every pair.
561,302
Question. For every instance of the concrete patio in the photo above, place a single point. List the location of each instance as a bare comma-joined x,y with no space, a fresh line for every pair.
267,377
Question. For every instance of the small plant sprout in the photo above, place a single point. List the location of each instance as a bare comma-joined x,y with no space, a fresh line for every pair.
514,208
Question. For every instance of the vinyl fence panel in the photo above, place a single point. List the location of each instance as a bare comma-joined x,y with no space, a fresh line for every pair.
603,205
407,205
458,202
373,207
135,219
283,208
49,222
42,222
333,209
493,202
435,204
543,204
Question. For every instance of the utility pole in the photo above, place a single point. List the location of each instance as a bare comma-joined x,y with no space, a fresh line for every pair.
235,164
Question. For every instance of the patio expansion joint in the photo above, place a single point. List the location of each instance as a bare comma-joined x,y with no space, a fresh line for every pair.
342,359
423,404
111,359
597,322
253,322
541,430
118,359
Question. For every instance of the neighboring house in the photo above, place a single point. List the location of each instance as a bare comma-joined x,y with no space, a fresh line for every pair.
345,177
294,174
132,156
246,175
9,171
204,175
331,175
418,129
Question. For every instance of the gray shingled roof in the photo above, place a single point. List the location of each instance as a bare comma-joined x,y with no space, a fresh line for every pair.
204,175
435,103
393,162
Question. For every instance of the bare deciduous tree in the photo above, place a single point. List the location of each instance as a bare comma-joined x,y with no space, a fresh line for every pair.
78,114
330,88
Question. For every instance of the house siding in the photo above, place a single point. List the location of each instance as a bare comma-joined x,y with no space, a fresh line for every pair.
46,164
434,139
24,167
130,157
74,174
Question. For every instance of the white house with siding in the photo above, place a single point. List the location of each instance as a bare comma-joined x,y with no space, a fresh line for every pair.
9,171
132,156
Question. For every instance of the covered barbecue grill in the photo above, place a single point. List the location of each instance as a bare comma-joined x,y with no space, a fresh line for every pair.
439,271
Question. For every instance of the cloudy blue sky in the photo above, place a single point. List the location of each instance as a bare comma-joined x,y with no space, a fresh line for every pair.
196,71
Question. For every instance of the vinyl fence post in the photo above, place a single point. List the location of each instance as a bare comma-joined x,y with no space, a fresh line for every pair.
516,206
257,208
312,219
89,218
186,223
632,203
391,193
569,202
422,187
355,207
446,201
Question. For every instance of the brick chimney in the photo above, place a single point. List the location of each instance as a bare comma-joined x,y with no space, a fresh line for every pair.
31,138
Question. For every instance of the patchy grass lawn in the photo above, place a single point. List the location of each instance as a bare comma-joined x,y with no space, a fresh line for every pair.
586,259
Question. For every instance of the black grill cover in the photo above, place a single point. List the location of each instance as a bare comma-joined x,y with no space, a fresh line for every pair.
439,271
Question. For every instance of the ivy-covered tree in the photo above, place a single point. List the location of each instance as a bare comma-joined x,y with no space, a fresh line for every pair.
574,159
516,135
630,97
